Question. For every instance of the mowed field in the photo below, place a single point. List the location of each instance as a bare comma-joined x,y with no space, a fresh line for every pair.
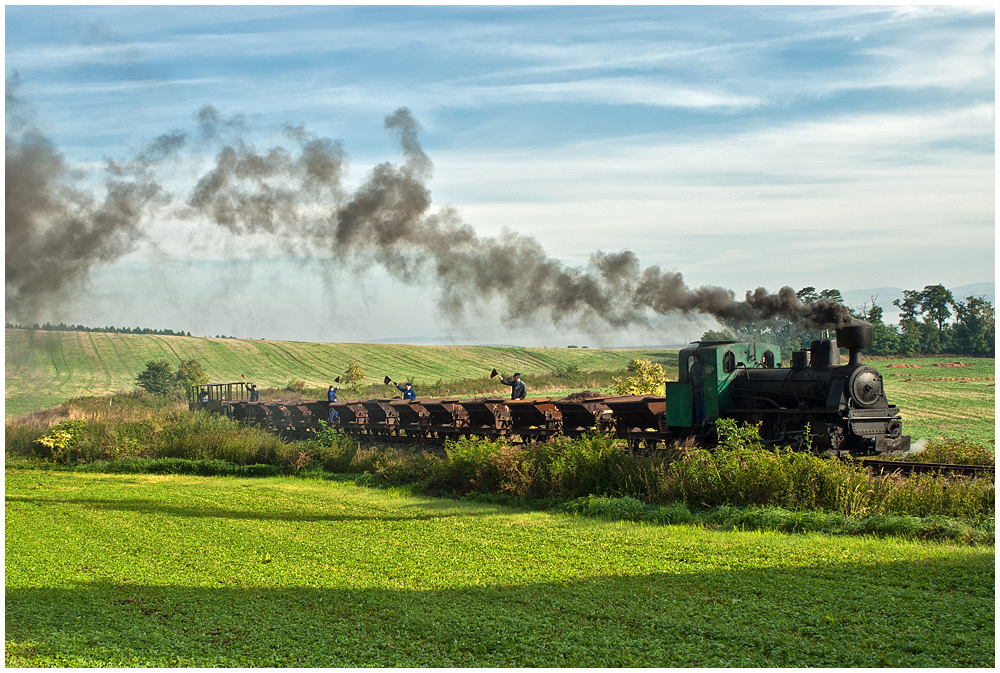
940,399
170,571
44,368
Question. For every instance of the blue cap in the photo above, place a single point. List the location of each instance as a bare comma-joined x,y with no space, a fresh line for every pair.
517,374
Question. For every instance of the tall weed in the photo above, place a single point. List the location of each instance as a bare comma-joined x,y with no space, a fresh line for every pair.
201,435
468,465
954,451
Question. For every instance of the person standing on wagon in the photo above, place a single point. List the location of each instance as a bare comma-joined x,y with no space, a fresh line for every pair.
518,390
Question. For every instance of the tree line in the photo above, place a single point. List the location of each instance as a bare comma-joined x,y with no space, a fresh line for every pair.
63,327
931,322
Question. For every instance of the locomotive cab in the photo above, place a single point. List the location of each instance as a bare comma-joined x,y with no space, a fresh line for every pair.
721,363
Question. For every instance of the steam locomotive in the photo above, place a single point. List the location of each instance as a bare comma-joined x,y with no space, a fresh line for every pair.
816,403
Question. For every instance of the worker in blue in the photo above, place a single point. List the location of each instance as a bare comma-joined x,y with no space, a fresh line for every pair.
408,392
331,396
518,390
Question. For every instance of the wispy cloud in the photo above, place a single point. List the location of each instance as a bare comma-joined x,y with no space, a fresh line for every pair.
670,130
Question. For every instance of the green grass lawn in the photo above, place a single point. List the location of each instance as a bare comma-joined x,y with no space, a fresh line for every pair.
128,571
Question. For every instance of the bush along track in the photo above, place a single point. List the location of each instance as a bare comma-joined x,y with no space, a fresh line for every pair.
741,484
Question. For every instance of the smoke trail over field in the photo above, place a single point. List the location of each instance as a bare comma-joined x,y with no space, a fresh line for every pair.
56,230
293,192
389,221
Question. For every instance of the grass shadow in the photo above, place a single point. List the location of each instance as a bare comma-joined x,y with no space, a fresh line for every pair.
929,613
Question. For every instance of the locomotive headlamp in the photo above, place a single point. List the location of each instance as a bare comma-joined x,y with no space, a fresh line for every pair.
865,386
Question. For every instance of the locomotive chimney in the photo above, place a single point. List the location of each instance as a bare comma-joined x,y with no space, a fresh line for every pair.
854,337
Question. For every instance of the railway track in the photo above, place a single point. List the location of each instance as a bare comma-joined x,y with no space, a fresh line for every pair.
905,467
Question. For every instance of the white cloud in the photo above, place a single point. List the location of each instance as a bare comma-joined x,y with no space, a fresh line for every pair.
910,179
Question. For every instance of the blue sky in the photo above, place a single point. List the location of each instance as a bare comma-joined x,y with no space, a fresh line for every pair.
847,147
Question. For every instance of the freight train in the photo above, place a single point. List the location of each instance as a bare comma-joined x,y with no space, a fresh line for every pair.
816,402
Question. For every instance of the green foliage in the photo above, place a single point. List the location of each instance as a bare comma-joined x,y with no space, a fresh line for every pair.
63,327
923,325
61,440
740,473
572,369
630,509
201,435
79,440
329,449
157,378
470,464
648,377
808,295
934,302
400,468
924,328
20,438
962,451
714,335
296,386
190,373
354,375
586,465
975,327
770,518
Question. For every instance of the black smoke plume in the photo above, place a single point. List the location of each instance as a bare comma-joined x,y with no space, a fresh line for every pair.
58,227
294,193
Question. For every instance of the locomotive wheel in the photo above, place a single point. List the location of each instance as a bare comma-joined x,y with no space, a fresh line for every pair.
836,438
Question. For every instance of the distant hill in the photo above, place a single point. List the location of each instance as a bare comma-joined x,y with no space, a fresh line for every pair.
44,368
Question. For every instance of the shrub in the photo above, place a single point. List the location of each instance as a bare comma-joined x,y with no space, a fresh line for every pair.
333,450
955,451
591,464
525,470
77,440
399,468
190,373
649,377
201,435
20,437
60,441
623,509
469,465
364,461
353,376
157,378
